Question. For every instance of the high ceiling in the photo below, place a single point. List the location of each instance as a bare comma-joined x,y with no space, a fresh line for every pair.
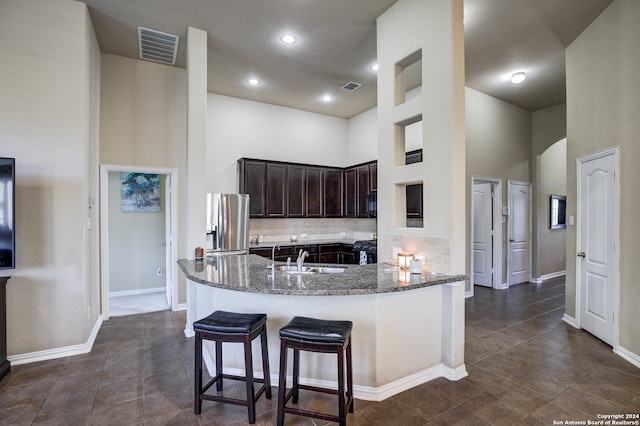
337,44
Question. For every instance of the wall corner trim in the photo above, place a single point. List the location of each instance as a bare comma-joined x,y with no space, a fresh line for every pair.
571,321
58,352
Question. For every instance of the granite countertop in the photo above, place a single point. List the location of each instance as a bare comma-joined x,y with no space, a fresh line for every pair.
252,273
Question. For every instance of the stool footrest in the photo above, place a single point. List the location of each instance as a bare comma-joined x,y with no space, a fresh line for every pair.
235,401
230,377
348,398
313,414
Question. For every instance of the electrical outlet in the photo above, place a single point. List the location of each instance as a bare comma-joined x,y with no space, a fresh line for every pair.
159,272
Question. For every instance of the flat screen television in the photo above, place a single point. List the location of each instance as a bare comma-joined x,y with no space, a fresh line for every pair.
7,213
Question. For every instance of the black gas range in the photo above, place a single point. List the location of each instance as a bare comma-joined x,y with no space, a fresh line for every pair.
366,251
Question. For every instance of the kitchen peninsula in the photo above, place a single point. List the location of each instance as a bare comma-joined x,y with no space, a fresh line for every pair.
407,329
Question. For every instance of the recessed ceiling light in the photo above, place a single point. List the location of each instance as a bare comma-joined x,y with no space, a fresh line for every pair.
518,77
374,67
326,98
253,81
288,39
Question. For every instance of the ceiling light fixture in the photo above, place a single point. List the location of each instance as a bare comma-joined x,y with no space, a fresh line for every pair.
518,77
374,67
288,39
326,98
253,81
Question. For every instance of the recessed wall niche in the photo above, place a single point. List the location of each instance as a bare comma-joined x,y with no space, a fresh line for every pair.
408,75
408,141
409,205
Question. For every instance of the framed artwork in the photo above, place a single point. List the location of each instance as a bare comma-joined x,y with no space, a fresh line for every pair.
140,192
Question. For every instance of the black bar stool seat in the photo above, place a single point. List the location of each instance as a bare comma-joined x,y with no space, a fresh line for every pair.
316,335
221,327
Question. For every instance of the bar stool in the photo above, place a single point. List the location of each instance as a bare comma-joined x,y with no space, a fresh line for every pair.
315,335
221,327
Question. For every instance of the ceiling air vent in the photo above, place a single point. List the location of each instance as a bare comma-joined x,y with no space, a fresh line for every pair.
351,86
157,46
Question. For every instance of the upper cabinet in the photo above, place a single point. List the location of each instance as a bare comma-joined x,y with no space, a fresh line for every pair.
359,183
253,178
315,192
333,192
277,194
297,191
279,189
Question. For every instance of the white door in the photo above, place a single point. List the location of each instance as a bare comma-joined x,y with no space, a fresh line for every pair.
597,221
168,240
482,234
518,262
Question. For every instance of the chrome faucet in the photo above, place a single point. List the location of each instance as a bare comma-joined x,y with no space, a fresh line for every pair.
300,259
273,256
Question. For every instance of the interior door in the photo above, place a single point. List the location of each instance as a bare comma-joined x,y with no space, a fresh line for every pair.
482,234
168,204
597,221
519,233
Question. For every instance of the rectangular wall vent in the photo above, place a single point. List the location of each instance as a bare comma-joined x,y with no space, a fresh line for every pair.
351,86
157,46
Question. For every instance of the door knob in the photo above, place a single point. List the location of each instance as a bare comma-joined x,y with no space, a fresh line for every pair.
512,240
582,254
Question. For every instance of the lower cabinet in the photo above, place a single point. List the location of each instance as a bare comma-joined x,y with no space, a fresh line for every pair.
334,253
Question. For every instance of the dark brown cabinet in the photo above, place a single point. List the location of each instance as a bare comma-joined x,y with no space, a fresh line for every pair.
253,178
315,192
333,192
363,187
373,176
296,191
357,184
332,253
350,192
276,190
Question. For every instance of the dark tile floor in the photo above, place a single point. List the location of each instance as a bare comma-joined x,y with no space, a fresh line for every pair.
525,367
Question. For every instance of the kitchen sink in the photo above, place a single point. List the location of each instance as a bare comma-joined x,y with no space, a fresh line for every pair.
327,269
293,269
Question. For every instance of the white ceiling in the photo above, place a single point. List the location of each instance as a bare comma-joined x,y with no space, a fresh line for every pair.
337,44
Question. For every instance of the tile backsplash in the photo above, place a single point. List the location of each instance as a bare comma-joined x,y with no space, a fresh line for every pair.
436,250
279,230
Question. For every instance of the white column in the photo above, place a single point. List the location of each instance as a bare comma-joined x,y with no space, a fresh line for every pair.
196,150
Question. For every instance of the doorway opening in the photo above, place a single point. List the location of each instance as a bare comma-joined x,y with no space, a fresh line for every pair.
486,233
138,254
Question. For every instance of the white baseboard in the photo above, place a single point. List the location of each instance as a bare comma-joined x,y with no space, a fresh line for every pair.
545,277
628,355
137,292
58,352
571,321
468,294
368,393
182,307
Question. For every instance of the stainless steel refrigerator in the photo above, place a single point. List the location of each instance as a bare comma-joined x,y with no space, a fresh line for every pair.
227,223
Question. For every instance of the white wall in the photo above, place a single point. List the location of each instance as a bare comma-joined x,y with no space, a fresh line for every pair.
143,124
498,146
549,126
602,111
48,122
551,243
135,243
239,128
362,137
